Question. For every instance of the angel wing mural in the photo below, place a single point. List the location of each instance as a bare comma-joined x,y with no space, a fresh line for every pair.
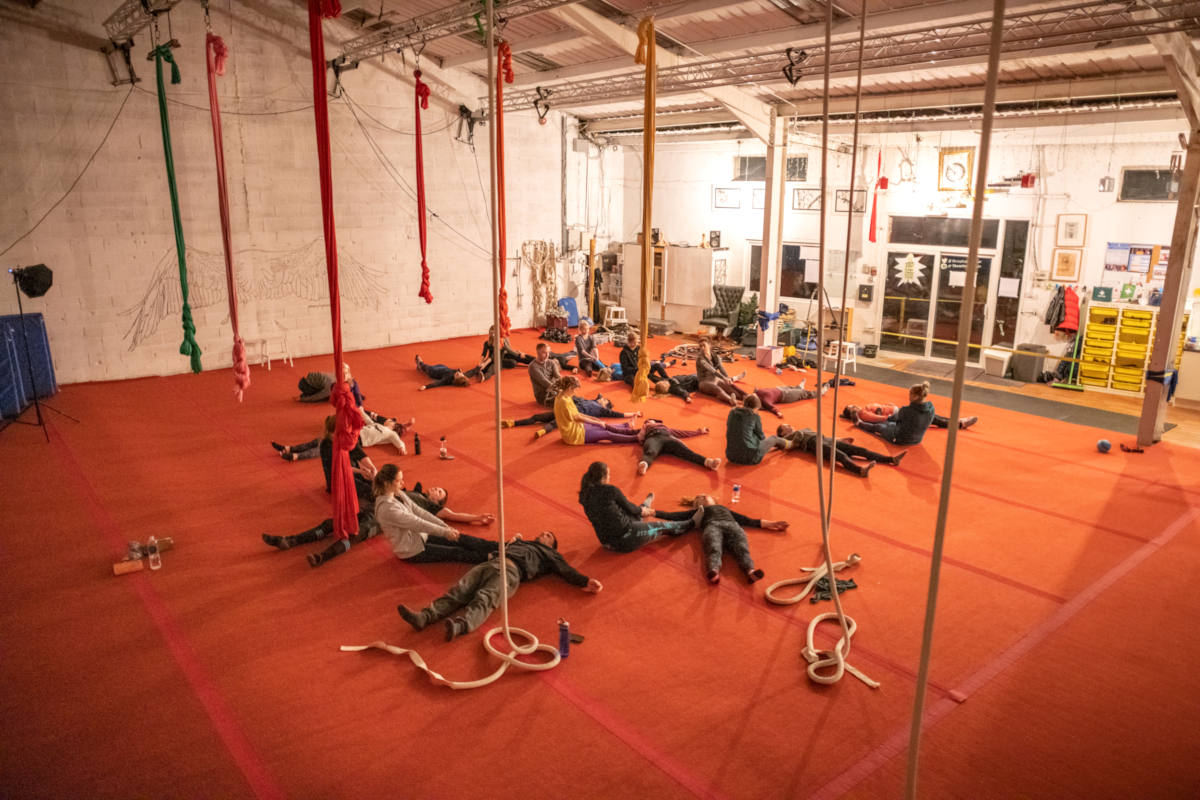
298,273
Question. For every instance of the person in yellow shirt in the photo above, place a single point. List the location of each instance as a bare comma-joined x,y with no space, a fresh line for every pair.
577,428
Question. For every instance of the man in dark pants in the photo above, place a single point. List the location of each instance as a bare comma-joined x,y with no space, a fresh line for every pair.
722,531
478,592
805,440
657,439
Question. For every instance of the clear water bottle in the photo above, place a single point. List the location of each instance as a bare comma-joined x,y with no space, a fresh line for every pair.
737,493
442,453
152,551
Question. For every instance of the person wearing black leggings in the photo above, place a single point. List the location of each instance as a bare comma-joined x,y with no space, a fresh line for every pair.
657,439
722,530
619,524
805,440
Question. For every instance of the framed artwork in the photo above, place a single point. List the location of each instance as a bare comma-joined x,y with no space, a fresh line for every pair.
955,168
806,199
714,239
841,200
724,197
1065,266
1071,230
759,198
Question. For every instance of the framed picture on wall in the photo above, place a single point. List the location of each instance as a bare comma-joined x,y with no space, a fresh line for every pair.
1065,266
955,166
1071,230
841,200
806,199
759,198
725,197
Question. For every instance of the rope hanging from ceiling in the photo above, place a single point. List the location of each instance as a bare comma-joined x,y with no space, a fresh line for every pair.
421,100
646,55
504,74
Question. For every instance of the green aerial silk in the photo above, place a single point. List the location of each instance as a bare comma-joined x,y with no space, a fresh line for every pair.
189,346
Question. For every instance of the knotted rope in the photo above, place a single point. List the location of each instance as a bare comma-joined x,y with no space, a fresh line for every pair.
504,74
834,659
349,420
809,581
217,53
645,55
188,347
421,101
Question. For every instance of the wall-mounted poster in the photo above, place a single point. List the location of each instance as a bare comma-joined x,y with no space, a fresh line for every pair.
727,197
759,198
1139,258
806,199
1065,266
841,200
1160,263
1116,257
954,169
1071,230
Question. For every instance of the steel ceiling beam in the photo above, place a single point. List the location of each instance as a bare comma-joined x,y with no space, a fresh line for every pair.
132,16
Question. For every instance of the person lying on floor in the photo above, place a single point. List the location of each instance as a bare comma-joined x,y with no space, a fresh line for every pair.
907,425
417,535
377,429
576,428
882,412
658,439
434,500
745,442
445,376
620,526
658,372
478,593
712,378
805,441
587,350
509,356
773,396
723,530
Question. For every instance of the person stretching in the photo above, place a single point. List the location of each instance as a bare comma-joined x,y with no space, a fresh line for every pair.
415,534
576,428
882,412
772,396
723,530
712,377
443,375
657,439
509,357
745,442
805,440
908,424
587,350
601,407
619,524
663,383
478,592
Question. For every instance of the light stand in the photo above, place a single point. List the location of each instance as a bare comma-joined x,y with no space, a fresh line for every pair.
41,422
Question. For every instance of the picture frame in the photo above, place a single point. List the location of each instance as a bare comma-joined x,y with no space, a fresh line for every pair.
758,198
956,169
727,197
841,200
806,199
1070,230
1064,267
714,239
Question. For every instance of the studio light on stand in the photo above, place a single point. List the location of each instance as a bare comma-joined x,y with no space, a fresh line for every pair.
33,281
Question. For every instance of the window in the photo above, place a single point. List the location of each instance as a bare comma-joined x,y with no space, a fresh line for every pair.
754,168
1148,185
941,232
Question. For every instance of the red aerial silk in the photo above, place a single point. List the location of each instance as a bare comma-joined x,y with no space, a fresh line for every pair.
217,53
504,74
349,420
880,183
422,101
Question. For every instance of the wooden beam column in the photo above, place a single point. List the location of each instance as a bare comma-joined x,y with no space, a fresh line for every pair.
772,237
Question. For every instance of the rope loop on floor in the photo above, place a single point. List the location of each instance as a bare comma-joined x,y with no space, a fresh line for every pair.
835,659
810,581
509,659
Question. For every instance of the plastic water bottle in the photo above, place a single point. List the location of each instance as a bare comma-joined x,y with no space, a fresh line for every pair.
737,493
442,453
416,444
564,638
152,551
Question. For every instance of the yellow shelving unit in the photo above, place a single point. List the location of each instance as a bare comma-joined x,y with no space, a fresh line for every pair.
1116,347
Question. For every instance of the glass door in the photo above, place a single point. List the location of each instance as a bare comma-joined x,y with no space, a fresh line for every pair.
949,305
906,302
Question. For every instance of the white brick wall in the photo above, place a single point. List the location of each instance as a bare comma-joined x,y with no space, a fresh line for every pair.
108,240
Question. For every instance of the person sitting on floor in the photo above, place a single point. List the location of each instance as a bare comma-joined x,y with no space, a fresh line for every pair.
658,439
713,379
544,373
377,429
478,593
805,441
658,376
772,396
415,534
745,442
723,530
509,356
619,524
587,350
882,412
907,425
363,468
445,376
601,408
576,428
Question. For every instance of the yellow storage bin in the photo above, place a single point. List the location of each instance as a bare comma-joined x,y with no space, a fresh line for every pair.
1135,337
1089,371
1135,361
1137,313
1099,328
1127,387
1128,375
1106,316
1094,382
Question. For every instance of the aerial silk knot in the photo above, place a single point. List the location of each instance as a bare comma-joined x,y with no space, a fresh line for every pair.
345,434
330,8
241,370
422,90
189,347
421,100
506,66
220,53
645,34
646,56
504,74
164,51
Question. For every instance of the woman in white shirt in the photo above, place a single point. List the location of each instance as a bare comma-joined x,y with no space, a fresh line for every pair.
415,534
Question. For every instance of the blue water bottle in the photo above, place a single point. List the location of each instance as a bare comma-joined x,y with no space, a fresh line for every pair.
564,638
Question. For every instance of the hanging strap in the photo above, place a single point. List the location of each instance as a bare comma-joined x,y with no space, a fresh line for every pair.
421,101
188,347
504,74
349,421
875,197
217,54
645,55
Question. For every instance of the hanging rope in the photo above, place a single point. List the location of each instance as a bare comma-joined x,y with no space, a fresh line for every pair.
504,74
189,347
422,101
880,183
349,420
217,53
645,55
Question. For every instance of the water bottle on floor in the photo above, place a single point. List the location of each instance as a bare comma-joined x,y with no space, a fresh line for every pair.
416,444
152,551
737,493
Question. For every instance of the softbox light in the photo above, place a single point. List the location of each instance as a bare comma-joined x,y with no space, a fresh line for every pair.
34,281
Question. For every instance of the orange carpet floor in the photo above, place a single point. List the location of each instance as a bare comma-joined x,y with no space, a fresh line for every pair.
1067,590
